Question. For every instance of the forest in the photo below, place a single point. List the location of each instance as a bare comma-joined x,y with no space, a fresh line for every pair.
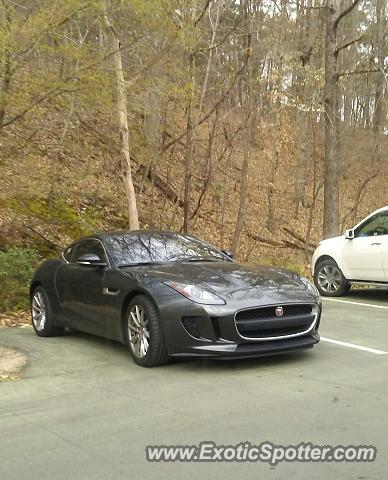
257,125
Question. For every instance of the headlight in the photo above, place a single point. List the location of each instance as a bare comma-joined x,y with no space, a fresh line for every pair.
196,294
310,286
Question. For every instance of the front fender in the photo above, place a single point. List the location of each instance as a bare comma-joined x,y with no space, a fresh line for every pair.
45,276
326,250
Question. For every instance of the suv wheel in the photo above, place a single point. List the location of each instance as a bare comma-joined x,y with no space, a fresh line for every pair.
329,279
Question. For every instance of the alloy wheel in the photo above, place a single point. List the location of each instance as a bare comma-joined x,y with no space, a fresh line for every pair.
39,311
329,278
138,331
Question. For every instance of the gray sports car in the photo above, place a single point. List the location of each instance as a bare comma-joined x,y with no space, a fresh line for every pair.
168,295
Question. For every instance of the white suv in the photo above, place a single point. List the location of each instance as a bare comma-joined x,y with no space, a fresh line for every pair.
358,257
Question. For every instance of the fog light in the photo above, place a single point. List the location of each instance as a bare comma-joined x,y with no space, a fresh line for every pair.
191,326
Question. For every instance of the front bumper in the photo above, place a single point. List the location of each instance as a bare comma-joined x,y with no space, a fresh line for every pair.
249,350
217,336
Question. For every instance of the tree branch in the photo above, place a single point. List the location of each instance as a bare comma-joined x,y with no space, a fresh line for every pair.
355,72
227,34
58,90
211,111
39,100
345,12
200,16
306,7
52,244
347,44
52,26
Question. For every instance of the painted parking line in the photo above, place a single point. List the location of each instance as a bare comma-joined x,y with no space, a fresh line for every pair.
361,304
355,346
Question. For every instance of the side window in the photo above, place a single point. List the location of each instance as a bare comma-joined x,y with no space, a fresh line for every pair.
89,246
67,253
377,225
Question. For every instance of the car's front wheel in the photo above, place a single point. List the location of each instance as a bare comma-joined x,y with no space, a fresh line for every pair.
329,279
144,334
42,316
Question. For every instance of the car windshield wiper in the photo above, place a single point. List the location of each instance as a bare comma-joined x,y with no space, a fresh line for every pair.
137,264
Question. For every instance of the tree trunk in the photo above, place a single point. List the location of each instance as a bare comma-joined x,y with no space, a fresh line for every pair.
189,150
250,115
122,113
331,223
6,67
378,116
302,161
331,97
243,199
270,224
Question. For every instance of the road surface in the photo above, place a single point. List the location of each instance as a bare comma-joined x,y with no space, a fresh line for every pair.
83,410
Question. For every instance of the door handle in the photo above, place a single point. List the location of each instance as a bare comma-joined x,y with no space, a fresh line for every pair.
376,243
110,291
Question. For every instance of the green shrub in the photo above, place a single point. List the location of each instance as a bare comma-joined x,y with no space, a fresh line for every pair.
17,265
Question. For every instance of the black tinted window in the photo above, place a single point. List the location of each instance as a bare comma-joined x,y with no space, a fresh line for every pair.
89,246
160,248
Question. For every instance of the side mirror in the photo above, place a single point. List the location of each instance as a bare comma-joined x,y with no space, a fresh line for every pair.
228,253
91,259
349,234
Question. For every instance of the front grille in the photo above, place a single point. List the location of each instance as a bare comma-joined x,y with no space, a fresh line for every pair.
262,322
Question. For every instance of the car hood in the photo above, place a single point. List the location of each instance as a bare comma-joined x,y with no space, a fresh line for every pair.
333,241
229,280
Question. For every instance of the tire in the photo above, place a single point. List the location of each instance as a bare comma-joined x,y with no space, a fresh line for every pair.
42,316
329,279
143,333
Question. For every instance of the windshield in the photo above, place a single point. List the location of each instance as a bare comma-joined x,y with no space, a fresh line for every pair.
143,248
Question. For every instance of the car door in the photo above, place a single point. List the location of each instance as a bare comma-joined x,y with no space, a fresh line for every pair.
385,254
364,254
80,287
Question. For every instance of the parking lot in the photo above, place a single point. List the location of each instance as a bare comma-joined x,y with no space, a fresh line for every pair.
84,410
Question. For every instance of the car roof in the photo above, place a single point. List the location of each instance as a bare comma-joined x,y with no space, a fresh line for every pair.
382,209
118,233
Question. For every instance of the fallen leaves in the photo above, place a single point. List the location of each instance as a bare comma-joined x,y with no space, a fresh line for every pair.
15,319
12,363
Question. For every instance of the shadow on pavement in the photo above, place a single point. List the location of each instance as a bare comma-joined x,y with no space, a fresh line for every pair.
190,364
379,295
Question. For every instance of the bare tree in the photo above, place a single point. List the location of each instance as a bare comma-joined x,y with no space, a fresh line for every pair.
380,42
331,220
122,114
247,102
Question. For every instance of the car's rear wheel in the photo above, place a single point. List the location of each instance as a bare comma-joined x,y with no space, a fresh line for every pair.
42,316
144,334
329,279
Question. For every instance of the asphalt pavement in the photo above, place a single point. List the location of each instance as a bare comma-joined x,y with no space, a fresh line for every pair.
83,409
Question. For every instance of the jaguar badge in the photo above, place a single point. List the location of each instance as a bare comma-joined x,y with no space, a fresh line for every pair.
279,311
